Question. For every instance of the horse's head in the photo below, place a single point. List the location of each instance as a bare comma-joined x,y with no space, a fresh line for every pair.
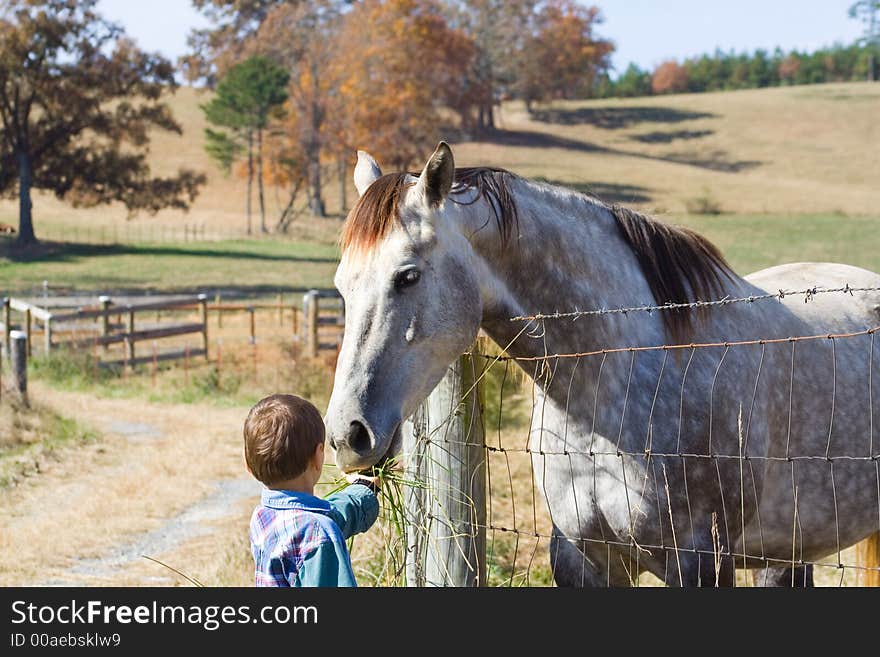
412,302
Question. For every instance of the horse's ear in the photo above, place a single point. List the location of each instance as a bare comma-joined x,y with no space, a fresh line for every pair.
436,178
366,172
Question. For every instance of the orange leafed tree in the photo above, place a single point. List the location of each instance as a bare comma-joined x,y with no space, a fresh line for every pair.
564,56
669,78
789,67
400,65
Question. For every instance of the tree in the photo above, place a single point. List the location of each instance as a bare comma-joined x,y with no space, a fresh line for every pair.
789,67
302,37
499,30
77,103
868,11
633,82
669,78
246,98
398,69
563,57
217,49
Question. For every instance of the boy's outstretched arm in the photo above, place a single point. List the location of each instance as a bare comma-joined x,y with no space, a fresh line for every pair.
355,508
328,565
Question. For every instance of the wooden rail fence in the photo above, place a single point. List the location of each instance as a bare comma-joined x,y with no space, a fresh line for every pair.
317,326
49,322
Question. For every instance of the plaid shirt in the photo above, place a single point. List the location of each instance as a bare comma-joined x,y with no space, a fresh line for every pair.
298,539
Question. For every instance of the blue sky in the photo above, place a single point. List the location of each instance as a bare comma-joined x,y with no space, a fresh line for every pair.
645,31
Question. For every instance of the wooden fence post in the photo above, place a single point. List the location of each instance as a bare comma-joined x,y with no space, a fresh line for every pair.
311,307
28,329
203,302
280,309
47,333
105,318
446,514
18,360
129,342
219,311
6,323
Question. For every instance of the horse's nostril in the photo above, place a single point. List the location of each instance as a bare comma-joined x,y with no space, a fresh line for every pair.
358,438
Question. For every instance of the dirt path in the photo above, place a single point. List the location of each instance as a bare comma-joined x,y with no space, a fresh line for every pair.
164,480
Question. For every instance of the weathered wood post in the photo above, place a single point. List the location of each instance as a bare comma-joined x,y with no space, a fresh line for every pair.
105,319
280,309
28,329
18,360
129,340
47,333
219,310
311,308
203,303
7,326
445,451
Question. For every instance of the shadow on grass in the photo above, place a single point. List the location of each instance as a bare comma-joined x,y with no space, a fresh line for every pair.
669,137
615,118
609,192
715,161
67,251
531,139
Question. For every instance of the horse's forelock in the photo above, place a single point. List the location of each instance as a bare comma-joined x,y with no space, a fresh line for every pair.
376,212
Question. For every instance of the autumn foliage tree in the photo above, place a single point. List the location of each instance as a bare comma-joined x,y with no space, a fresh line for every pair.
499,30
302,37
402,65
669,78
77,103
394,75
563,57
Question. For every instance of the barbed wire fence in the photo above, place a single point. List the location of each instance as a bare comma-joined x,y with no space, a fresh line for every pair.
482,465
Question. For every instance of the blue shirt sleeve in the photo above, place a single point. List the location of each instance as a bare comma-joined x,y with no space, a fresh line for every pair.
354,509
328,565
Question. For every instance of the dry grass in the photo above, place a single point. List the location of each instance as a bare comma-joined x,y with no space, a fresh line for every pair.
779,151
114,489
786,150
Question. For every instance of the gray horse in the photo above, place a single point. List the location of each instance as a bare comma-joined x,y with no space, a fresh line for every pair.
693,460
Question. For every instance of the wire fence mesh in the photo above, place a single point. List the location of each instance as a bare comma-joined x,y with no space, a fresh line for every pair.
725,462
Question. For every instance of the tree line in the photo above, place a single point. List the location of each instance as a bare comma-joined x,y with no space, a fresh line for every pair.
727,71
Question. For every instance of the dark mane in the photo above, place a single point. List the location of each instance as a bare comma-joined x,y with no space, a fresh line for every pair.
679,264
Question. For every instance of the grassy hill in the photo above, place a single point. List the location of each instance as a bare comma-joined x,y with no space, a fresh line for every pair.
787,150
789,173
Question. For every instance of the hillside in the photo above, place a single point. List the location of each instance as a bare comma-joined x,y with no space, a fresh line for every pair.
791,150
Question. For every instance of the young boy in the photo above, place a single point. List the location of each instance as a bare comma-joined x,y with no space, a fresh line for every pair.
298,539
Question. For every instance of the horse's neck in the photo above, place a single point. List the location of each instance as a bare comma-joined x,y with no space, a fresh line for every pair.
568,254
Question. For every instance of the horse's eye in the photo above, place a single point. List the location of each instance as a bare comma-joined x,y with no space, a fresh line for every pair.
406,278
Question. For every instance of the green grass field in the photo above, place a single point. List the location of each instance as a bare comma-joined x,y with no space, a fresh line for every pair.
256,267
252,267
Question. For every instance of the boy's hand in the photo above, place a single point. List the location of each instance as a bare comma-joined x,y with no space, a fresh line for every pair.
355,477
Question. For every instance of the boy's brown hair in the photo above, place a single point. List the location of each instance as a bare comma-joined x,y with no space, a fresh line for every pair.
281,433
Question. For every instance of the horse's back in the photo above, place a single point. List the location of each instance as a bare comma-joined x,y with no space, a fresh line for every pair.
820,410
832,312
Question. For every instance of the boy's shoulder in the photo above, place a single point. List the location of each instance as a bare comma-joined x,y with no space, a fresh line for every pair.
304,525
